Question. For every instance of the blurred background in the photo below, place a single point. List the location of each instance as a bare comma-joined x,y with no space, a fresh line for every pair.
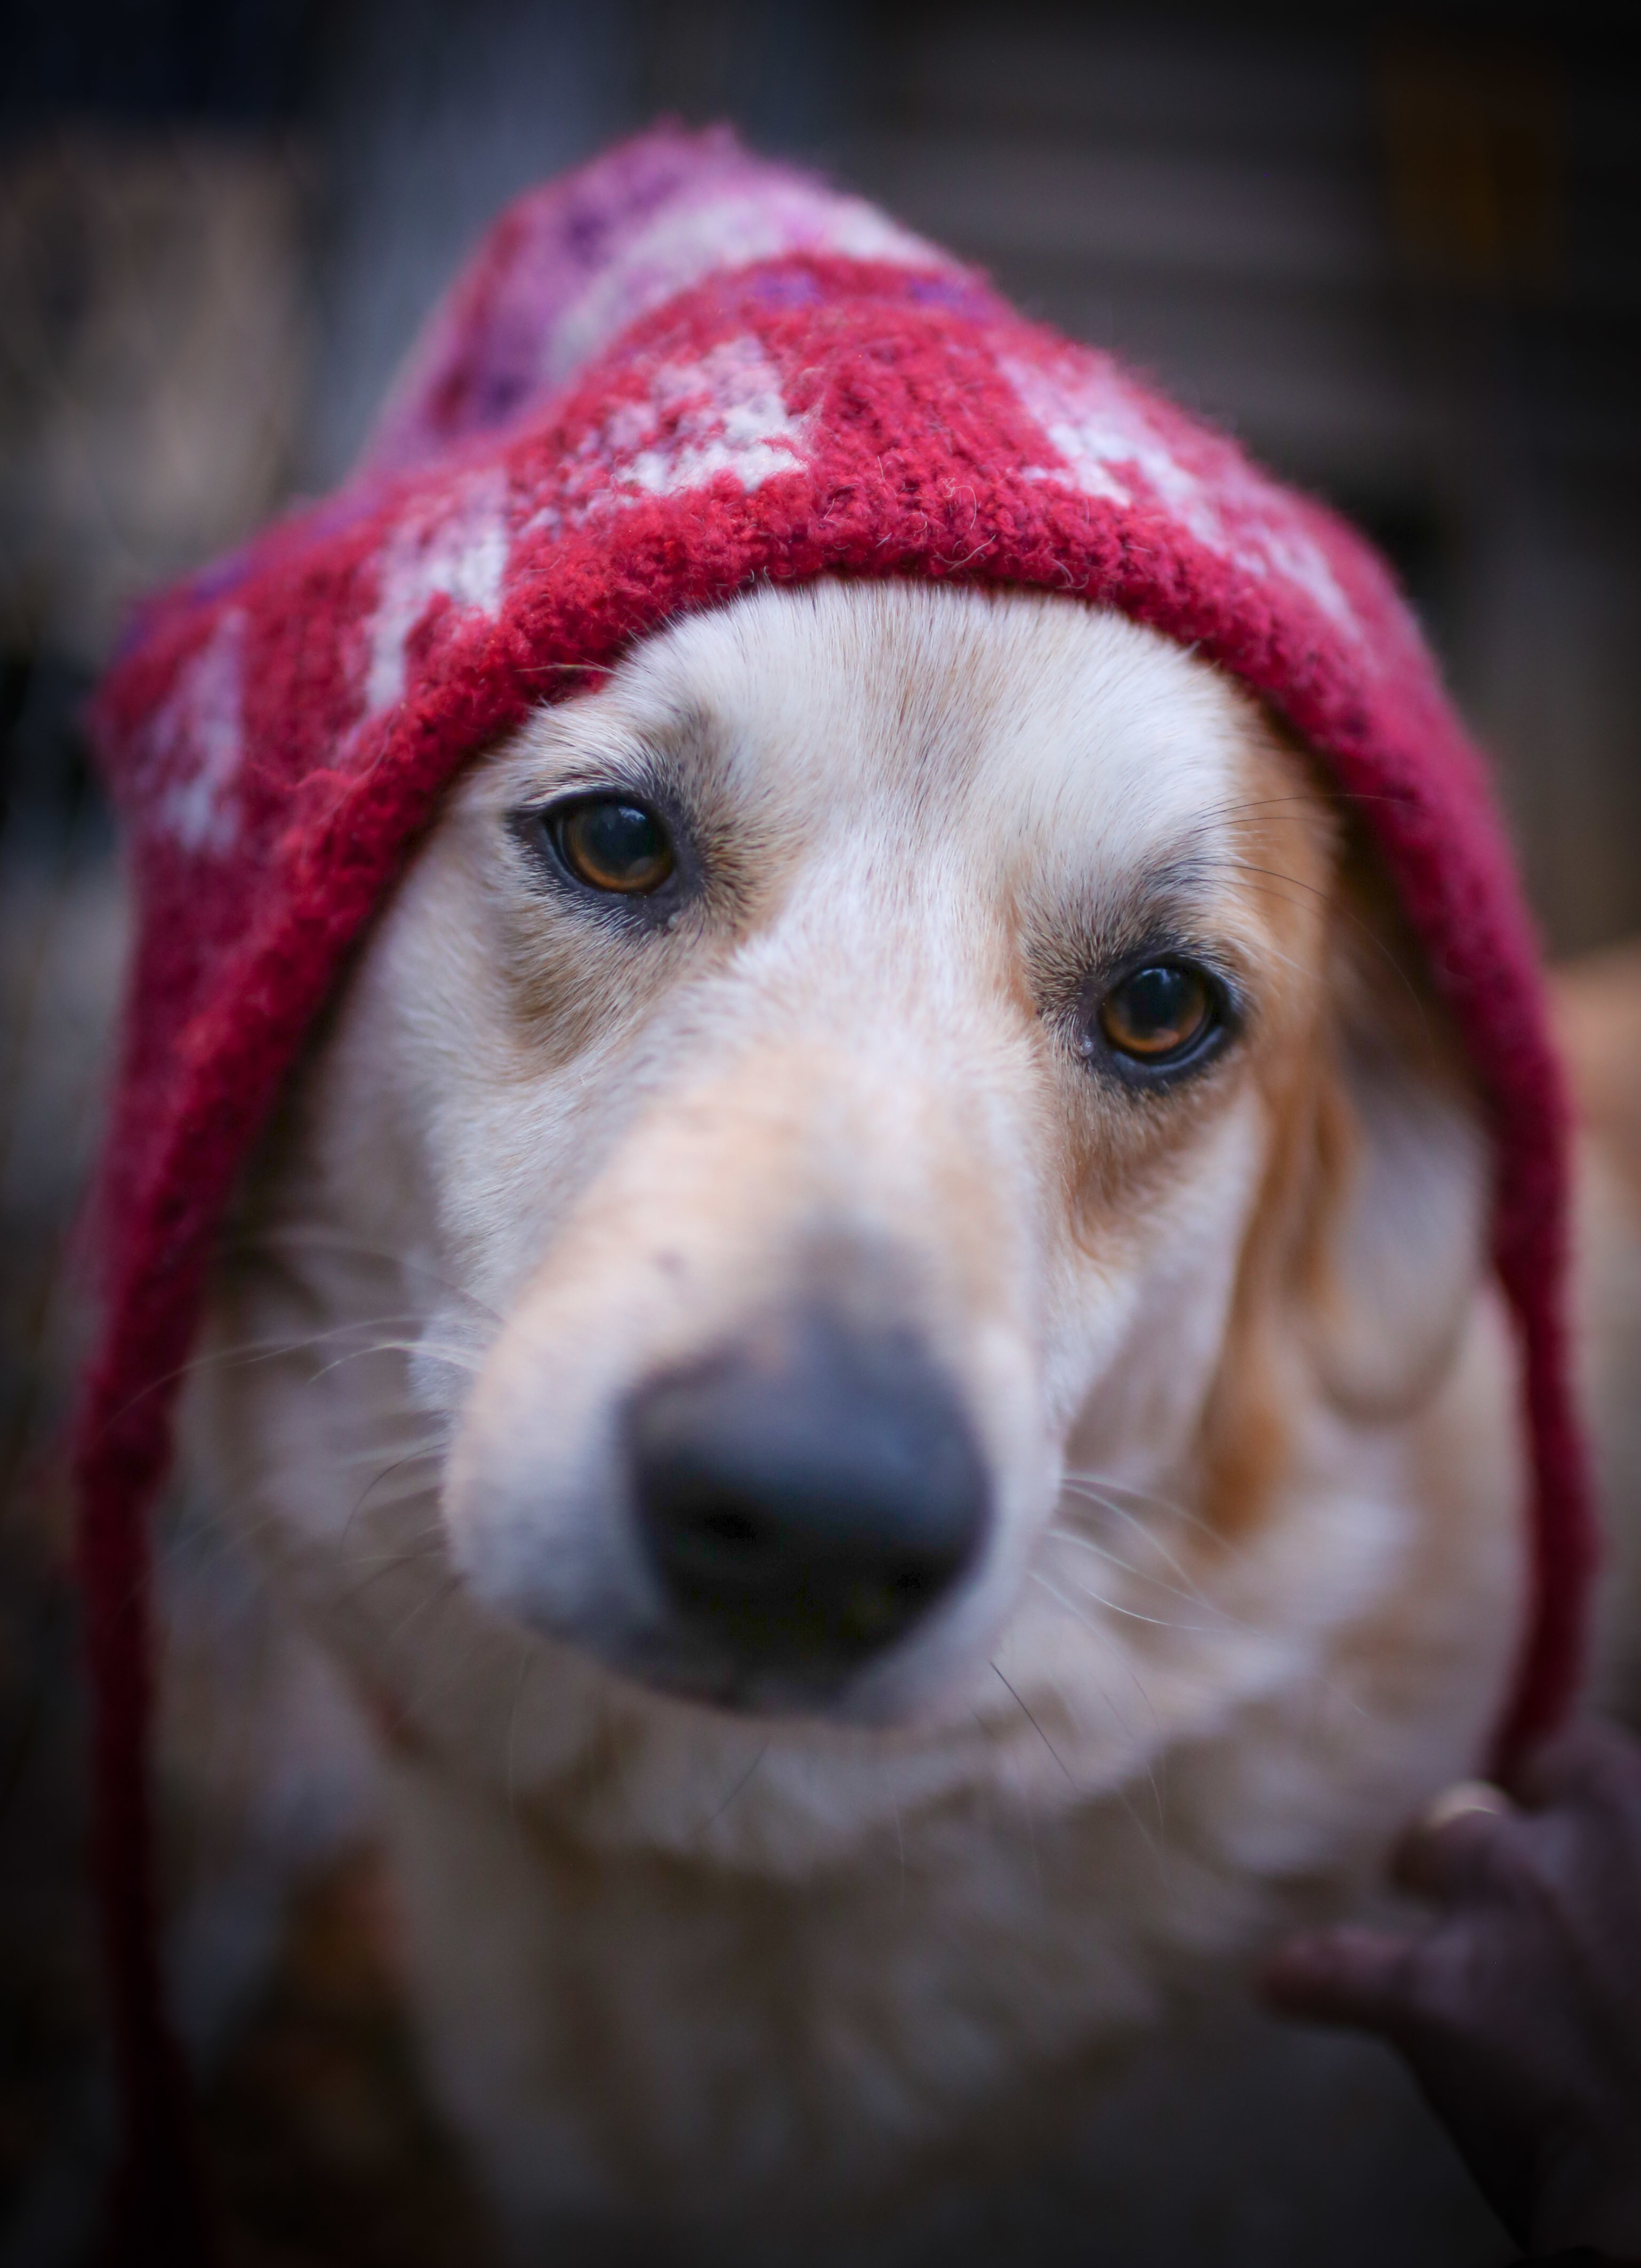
1396,249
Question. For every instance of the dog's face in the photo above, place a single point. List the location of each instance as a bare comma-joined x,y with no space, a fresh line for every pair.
920,1131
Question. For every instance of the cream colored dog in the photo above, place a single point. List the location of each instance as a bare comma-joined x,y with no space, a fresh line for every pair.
884,1376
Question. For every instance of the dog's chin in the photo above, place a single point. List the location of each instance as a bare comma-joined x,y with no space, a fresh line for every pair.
676,1665
686,1668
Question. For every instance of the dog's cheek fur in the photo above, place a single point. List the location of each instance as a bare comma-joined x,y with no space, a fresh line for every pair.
1393,1251
1259,1384
1364,1249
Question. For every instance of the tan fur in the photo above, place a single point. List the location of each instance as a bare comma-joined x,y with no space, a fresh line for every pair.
1598,1009
1232,1352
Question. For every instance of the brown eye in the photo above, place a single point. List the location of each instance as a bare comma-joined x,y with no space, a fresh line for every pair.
612,846
1161,1014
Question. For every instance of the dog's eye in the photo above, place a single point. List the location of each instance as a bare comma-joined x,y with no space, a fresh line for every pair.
1161,1016
611,845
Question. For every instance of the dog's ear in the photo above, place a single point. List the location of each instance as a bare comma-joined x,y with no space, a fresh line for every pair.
1398,1227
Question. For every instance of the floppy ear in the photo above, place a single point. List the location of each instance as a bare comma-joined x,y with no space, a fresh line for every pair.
1398,1241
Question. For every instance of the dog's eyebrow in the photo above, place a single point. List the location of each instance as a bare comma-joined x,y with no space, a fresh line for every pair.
686,742
564,748
1169,904
1170,892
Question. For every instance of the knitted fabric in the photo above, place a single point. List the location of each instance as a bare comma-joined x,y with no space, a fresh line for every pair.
670,375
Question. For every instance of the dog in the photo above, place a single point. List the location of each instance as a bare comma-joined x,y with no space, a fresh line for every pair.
868,1338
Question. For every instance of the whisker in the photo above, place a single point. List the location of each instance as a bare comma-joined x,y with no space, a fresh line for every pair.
1143,1749
1314,792
1037,1728
1129,1614
745,1779
1148,1532
1138,1746
456,1359
409,1553
297,1236
1090,1492
406,1495
413,1448
1228,1619
393,1561
1182,1590
249,1353
1089,1485
1354,921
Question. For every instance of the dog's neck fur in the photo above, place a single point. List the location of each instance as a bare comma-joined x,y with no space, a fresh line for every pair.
1248,1397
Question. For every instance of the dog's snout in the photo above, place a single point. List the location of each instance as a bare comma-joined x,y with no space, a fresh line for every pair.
806,1497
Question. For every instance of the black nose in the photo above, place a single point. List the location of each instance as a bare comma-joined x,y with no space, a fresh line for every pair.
806,1497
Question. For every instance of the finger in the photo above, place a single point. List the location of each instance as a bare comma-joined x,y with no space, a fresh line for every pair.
1462,1846
1464,1795
1592,1763
1348,1974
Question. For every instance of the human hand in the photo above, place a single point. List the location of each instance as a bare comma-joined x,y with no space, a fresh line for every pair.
1520,2009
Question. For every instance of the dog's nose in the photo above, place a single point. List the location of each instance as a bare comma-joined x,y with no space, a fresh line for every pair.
806,1497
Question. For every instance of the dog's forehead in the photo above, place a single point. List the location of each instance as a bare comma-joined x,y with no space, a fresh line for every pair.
1006,723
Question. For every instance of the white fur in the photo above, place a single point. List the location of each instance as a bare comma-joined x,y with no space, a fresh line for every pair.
686,1969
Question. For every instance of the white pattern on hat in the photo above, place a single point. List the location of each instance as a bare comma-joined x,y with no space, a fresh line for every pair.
724,414
731,416
762,219
1099,426
196,742
455,547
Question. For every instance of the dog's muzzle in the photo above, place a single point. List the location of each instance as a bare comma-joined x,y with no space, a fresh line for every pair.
805,1497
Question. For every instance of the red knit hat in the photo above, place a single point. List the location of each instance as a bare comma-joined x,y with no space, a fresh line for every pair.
673,374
